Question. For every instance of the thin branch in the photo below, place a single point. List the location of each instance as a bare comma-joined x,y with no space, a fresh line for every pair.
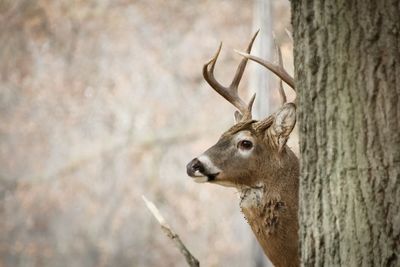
190,259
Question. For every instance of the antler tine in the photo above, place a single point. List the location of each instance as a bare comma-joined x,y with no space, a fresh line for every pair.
281,91
278,70
242,65
229,93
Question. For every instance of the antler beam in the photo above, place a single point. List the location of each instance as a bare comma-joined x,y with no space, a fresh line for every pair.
230,93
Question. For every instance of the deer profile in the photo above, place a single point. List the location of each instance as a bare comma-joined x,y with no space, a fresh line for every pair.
253,157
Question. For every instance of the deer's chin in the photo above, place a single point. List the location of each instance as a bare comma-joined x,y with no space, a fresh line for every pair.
224,183
200,179
223,180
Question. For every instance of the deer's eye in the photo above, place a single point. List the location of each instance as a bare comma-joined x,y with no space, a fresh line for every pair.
245,145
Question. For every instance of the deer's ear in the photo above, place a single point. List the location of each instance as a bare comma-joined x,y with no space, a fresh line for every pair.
237,116
283,124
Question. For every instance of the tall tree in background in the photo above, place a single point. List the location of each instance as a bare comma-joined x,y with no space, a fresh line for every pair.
347,61
262,82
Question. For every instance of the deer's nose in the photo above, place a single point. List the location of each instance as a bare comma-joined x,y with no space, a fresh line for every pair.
194,166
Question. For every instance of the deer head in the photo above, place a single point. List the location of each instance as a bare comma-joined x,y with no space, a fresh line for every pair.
250,151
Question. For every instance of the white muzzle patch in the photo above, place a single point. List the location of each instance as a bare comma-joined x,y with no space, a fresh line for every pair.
209,166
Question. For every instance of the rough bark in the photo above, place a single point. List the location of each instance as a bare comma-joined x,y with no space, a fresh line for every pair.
347,71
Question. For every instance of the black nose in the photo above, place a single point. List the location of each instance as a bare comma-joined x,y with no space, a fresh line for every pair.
193,166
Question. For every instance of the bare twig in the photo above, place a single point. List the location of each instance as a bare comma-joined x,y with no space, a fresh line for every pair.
190,259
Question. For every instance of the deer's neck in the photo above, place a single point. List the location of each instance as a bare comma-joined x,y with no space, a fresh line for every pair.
271,210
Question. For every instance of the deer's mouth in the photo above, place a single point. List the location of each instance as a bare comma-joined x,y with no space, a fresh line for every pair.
204,178
211,177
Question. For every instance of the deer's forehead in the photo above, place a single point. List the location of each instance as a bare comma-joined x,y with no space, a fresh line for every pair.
245,134
240,135
241,126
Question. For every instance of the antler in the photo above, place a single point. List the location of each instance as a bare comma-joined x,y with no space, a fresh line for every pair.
280,71
281,91
231,93
277,69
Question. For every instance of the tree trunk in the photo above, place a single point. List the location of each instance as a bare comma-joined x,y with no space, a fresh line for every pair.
347,72
263,82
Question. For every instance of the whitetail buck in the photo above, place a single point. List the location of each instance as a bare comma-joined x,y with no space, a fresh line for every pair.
253,157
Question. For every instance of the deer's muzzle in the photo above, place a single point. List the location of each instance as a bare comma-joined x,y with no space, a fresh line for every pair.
201,169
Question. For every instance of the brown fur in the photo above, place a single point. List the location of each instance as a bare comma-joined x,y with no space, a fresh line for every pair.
253,157
268,183
272,215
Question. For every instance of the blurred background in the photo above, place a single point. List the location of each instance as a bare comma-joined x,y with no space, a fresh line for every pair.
103,101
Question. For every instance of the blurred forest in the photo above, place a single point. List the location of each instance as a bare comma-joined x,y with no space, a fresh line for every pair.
102,101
